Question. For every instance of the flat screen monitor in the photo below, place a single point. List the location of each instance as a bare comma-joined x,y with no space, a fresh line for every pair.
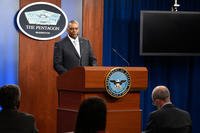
166,33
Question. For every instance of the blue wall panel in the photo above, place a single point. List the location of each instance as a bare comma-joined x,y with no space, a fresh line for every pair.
8,42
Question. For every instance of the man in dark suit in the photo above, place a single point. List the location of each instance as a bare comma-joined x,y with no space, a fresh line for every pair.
11,120
73,51
168,118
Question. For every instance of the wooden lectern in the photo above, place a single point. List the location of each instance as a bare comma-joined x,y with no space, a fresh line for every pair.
124,114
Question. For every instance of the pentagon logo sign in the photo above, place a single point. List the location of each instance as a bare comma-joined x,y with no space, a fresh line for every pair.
42,21
118,82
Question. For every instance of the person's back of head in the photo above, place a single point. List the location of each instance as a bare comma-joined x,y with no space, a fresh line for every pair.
91,116
10,97
160,95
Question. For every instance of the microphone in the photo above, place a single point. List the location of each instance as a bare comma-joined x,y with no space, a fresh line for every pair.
121,56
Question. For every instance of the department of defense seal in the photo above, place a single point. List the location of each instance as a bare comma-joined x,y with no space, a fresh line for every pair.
118,82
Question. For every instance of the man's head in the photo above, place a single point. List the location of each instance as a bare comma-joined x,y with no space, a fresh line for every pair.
73,29
10,96
160,96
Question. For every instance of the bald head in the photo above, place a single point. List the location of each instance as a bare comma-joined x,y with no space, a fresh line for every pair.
161,93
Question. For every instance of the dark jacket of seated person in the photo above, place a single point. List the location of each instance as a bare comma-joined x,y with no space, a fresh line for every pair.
12,120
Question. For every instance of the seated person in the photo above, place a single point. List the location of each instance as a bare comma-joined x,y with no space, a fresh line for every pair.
91,116
11,120
168,118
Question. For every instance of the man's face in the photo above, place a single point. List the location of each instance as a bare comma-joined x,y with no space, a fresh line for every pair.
73,30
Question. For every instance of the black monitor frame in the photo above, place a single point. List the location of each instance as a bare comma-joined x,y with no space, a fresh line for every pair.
167,33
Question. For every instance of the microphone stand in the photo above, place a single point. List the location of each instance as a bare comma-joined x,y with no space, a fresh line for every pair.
121,56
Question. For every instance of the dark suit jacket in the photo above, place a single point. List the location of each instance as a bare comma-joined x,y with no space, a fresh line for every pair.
12,121
169,119
66,56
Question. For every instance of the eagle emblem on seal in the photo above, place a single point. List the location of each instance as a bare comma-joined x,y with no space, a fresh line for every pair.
117,83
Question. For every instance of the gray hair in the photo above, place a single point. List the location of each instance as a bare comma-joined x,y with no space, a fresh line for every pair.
72,22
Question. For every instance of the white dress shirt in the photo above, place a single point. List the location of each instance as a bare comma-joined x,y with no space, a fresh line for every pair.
75,42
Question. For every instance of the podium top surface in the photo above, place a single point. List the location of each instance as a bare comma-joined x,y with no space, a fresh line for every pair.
93,78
